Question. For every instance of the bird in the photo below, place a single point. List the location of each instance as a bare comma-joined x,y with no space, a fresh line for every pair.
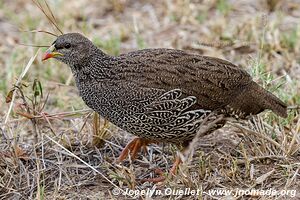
161,95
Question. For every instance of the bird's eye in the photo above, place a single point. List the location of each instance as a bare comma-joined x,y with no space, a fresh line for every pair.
68,45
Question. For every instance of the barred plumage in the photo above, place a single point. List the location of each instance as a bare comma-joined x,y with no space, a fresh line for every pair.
161,94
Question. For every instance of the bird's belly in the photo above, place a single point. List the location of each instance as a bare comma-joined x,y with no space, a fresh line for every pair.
167,137
136,115
123,120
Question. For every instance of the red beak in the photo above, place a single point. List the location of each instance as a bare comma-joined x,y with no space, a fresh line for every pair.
47,56
51,53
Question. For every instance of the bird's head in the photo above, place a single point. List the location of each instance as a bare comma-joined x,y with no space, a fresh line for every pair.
72,49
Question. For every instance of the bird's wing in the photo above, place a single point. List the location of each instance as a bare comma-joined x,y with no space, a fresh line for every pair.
215,82
168,117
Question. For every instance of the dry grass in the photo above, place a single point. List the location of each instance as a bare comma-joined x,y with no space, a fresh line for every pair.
53,147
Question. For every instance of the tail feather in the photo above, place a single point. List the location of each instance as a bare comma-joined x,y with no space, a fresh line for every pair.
268,100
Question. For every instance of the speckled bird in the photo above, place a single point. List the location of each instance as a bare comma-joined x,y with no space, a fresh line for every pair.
160,95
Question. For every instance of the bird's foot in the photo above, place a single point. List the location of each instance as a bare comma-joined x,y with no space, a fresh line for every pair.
162,177
133,147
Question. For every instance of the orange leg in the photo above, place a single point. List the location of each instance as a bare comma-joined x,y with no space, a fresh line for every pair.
161,177
133,147
174,168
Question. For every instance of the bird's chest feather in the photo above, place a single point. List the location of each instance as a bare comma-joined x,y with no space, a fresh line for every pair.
99,97
115,100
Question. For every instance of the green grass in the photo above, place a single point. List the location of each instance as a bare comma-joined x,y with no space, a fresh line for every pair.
223,6
291,38
140,42
110,46
201,17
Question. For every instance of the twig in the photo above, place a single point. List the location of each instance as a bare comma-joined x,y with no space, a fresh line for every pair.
259,135
91,167
17,83
294,139
272,157
203,130
38,31
62,114
51,19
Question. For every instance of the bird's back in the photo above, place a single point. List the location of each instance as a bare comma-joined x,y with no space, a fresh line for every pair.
215,83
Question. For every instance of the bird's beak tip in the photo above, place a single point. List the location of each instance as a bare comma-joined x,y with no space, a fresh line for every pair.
51,53
47,55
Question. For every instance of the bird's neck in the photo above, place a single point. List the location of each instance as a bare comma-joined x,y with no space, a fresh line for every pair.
97,66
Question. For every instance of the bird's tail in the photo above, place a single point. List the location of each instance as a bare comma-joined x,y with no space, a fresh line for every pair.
268,100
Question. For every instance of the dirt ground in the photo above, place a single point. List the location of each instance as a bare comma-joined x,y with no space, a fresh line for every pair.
53,146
